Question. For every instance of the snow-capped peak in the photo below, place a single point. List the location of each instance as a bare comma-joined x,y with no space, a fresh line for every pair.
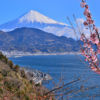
34,16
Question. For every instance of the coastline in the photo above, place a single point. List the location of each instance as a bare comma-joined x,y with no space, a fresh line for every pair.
36,76
20,53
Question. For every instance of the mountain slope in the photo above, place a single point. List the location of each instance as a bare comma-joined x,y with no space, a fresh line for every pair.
14,84
34,19
34,40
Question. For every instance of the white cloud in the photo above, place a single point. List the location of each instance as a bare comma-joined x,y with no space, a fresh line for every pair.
68,31
65,31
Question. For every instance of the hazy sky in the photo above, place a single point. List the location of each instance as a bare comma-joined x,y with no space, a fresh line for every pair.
56,9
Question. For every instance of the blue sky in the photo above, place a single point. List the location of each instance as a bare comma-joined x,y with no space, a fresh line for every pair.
56,9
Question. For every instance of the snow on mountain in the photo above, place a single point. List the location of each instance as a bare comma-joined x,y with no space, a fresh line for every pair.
35,19
34,16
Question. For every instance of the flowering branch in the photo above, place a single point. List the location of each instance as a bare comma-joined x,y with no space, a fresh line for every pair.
94,39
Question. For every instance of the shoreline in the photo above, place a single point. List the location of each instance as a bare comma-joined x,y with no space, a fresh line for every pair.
37,76
21,54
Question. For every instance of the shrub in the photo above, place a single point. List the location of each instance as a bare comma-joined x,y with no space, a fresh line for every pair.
4,72
10,63
12,84
26,97
16,68
3,58
23,74
1,76
1,91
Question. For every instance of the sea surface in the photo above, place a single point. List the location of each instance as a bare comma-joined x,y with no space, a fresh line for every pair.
64,69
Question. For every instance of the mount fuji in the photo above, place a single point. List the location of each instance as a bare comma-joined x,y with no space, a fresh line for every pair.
34,19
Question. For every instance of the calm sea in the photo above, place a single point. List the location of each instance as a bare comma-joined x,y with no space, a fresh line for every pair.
63,69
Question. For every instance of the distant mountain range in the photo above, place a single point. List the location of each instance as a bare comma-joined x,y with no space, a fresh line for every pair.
34,40
34,19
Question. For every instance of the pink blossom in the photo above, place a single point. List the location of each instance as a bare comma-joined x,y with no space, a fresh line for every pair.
96,41
86,6
94,68
85,23
83,4
98,45
86,12
90,53
98,51
88,45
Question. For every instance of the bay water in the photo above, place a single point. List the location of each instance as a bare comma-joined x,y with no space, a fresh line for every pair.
63,69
